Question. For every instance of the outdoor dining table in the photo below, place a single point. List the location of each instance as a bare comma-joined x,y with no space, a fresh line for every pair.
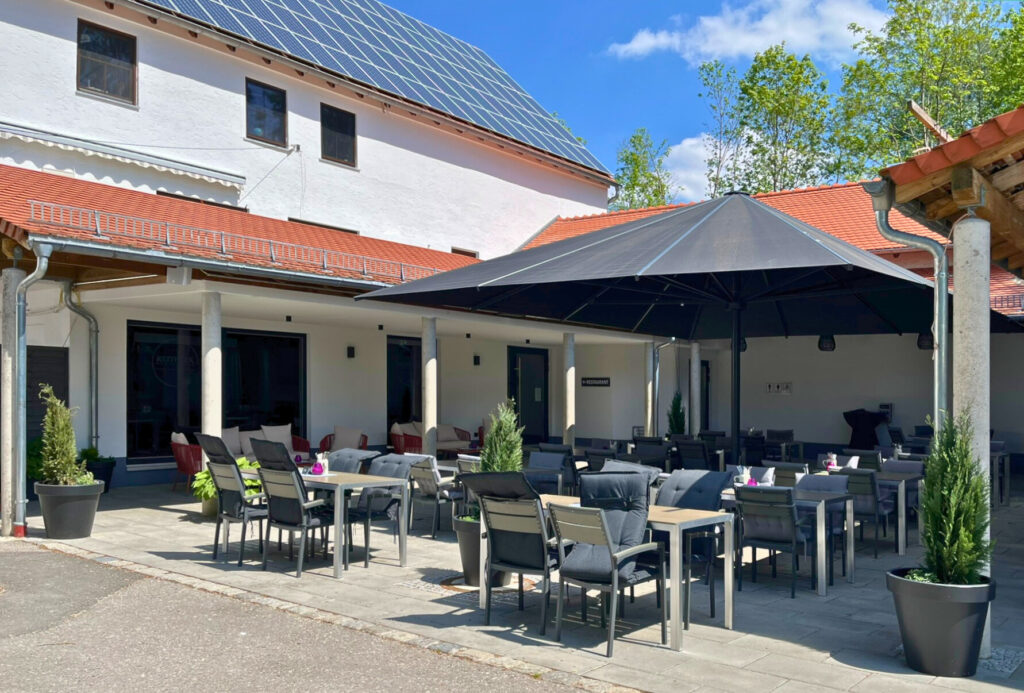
899,481
340,483
819,500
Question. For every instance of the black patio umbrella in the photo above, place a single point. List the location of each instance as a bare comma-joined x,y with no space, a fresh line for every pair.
729,267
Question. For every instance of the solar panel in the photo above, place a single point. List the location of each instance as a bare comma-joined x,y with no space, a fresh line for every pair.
378,45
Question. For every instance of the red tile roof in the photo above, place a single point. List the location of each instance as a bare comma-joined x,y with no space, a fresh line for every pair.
247,240
985,136
843,210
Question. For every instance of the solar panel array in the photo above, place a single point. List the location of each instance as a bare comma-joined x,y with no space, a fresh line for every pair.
380,46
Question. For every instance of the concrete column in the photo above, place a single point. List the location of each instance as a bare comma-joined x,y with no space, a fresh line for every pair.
11,277
213,403
569,366
972,264
649,403
695,407
429,346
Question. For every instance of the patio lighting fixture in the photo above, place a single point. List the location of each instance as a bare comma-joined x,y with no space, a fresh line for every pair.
826,342
380,328
350,352
743,344
925,341
468,335
476,359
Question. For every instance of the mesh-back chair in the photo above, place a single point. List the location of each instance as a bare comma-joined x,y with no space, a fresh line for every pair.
786,473
568,462
711,437
869,459
596,457
896,435
651,474
907,467
699,490
607,533
350,460
693,454
653,454
869,505
467,464
851,461
272,455
234,503
768,520
427,478
835,517
546,471
764,476
648,440
774,438
380,502
753,450
288,507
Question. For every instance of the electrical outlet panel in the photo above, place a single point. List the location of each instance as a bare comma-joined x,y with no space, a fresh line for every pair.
780,388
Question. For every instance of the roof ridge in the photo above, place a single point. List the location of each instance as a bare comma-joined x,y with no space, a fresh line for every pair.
812,188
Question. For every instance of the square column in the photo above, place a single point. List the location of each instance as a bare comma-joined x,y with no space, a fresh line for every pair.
11,277
695,407
429,349
569,364
649,402
212,397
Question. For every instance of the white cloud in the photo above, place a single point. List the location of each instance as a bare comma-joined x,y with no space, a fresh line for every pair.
686,164
818,27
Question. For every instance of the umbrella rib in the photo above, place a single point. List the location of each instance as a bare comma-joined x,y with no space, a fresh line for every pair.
782,319
501,297
643,317
588,302
696,321
698,292
867,304
728,294
654,219
679,240
793,280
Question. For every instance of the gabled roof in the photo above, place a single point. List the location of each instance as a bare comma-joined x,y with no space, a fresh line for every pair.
59,207
373,44
843,210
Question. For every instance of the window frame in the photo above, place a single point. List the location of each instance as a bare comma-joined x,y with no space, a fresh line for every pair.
355,139
134,101
259,138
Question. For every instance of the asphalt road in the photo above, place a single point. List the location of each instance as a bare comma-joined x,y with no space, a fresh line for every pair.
68,623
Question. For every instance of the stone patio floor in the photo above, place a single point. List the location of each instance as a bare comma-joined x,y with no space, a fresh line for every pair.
848,640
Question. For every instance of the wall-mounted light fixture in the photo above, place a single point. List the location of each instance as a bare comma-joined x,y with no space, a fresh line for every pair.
350,352
743,344
925,341
826,342
468,335
380,328
476,359
287,318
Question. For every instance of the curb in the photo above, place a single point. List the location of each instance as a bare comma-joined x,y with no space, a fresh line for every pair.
405,637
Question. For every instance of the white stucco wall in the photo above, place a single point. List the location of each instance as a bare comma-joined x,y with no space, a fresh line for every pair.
414,183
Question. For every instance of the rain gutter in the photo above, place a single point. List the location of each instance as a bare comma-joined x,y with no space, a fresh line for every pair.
94,345
883,195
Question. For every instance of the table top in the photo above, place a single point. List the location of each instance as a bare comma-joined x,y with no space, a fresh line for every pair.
802,495
898,476
660,516
338,479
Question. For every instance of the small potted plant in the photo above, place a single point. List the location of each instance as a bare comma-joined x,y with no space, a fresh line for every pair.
68,494
942,605
676,415
502,452
204,489
101,468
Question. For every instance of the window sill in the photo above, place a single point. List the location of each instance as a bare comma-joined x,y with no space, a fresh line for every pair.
107,99
139,466
340,164
284,149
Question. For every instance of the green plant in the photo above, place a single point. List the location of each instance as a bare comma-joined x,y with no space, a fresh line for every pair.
676,415
203,487
60,453
91,454
503,447
954,510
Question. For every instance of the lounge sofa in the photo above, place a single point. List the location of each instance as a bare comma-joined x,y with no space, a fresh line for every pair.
343,438
239,444
408,437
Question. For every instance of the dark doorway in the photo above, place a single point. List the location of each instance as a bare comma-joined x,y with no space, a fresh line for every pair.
405,380
528,386
705,394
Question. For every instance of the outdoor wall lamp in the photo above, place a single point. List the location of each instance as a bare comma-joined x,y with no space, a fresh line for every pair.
826,342
925,341
743,344
350,352
476,359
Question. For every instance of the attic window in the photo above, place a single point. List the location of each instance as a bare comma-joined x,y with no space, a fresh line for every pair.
467,253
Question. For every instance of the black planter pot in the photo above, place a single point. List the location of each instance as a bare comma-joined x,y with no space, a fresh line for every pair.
941,625
68,511
468,534
102,470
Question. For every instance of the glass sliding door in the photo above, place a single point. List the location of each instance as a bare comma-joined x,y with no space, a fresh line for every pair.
405,380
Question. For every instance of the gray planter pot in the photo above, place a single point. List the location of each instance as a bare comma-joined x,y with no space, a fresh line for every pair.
941,625
68,511
468,534
211,506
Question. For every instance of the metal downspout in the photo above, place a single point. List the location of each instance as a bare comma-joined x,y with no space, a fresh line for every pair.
657,377
94,339
42,252
883,196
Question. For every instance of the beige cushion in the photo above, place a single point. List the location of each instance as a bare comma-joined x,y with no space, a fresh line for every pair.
245,438
179,438
232,441
411,429
345,437
279,434
446,432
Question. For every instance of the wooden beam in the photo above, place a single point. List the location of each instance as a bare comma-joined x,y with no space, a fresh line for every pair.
1009,177
1003,249
929,122
941,208
1015,261
965,186
1006,218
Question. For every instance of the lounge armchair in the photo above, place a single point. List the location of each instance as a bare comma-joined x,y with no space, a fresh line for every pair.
239,443
189,459
408,437
342,438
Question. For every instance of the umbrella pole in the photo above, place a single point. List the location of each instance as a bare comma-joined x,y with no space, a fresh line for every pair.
737,336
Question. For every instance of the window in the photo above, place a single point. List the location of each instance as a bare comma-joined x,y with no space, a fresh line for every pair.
266,113
337,135
405,381
106,62
264,382
463,251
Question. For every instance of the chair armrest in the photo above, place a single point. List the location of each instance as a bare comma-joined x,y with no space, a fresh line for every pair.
619,556
314,503
249,498
300,444
326,442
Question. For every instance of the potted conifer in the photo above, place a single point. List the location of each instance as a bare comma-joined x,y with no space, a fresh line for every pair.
68,495
942,605
676,415
502,452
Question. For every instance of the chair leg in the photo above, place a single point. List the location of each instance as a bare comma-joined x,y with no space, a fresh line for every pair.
291,542
662,606
583,604
241,544
216,538
613,595
773,560
559,608
260,522
753,564
796,569
687,578
602,608
487,594
521,606
366,541
545,597
266,546
876,537
711,584
437,519
302,553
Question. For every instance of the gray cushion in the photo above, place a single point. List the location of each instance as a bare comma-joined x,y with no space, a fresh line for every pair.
694,488
349,460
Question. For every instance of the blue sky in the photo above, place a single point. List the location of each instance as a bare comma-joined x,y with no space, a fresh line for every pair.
610,67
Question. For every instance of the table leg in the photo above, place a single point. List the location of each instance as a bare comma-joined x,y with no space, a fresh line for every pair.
820,550
1006,478
849,540
920,520
901,519
721,460
339,530
403,525
675,589
483,563
729,576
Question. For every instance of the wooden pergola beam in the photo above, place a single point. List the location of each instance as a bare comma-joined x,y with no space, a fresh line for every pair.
972,190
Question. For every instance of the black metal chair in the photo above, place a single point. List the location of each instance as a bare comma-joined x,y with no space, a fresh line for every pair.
235,503
568,462
773,441
869,459
380,502
693,454
607,536
786,473
655,454
768,519
869,504
428,480
711,438
647,440
835,517
546,471
596,457
752,448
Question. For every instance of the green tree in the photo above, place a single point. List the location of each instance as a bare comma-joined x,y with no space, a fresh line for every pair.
503,446
723,137
60,453
643,179
783,113
676,415
940,53
1008,71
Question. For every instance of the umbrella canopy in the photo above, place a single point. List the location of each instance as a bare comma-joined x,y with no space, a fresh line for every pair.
728,267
